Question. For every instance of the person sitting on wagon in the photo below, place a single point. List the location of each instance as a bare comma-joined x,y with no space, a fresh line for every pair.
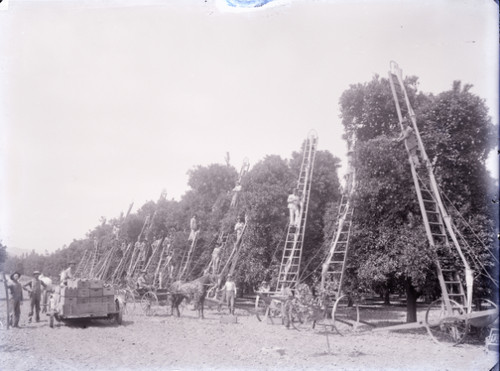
264,288
142,283
67,274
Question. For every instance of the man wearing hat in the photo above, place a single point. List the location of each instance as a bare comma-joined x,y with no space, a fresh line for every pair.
35,290
16,292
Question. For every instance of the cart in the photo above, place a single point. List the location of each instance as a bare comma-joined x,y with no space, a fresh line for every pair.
74,302
152,299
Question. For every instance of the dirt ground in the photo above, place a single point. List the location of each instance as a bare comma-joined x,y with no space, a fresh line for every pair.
163,342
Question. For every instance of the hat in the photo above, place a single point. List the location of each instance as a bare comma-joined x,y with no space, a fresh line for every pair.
12,275
36,273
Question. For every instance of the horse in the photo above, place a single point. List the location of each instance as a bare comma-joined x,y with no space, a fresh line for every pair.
196,290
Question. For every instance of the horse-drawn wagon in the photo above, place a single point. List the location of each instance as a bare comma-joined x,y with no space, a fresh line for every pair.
84,299
150,298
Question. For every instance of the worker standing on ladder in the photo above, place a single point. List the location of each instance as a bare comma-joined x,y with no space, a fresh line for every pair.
194,227
236,190
216,259
238,227
294,207
409,135
350,172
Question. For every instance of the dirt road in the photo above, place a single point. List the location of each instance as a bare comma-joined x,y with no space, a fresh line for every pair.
187,343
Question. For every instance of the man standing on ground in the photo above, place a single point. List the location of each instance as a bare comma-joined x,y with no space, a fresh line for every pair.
16,292
46,292
230,288
35,290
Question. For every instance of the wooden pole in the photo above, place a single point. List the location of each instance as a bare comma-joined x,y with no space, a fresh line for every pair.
6,298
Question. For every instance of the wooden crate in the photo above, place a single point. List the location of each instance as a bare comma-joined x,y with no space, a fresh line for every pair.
95,292
83,293
68,292
96,284
83,284
82,300
107,291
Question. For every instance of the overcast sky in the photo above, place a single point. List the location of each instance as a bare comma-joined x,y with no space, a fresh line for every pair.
105,103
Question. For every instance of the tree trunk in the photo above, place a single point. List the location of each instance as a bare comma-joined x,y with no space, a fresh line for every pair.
387,298
411,302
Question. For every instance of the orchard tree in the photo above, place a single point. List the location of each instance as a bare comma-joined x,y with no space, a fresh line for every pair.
265,191
455,129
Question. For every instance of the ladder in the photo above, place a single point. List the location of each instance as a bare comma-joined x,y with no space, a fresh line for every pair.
119,271
332,274
95,258
154,259
186,257
437,222
138,250
292,254
81,264
163,262
104,264
232,258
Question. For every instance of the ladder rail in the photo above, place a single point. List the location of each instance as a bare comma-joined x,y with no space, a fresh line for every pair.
443,217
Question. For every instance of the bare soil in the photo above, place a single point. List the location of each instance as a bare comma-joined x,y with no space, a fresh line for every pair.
164,342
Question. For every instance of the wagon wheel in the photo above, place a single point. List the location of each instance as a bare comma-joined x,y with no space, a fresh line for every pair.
301,317
266,307
345,317
445,327
149,303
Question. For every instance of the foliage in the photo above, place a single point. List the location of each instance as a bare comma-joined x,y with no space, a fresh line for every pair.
389,248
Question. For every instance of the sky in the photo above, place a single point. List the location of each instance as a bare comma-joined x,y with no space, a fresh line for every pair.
104,103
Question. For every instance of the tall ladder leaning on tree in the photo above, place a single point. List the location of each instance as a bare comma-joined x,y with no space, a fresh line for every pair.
139,258
186,257
288,276
222,270
438,223
333,267
104,265
121,271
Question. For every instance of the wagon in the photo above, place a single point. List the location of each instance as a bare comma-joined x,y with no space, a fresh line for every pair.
152,299
84,300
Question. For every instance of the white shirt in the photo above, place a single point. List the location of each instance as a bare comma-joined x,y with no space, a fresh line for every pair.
230,286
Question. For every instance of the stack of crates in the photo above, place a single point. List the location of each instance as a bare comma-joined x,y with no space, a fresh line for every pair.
86,297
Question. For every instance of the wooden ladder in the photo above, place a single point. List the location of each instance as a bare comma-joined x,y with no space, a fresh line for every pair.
292,254
437,222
